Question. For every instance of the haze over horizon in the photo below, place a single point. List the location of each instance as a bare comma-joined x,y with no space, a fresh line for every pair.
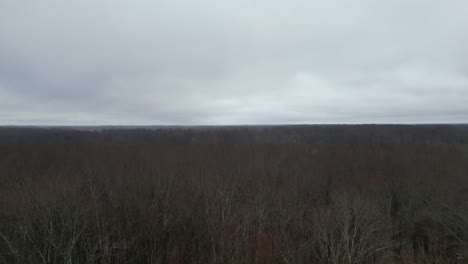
226,63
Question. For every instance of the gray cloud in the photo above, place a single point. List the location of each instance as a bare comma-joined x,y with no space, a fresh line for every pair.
233,62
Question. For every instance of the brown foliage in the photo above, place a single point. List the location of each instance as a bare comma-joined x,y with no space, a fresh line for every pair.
240,195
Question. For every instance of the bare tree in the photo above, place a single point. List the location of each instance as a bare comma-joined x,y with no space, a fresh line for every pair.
349,232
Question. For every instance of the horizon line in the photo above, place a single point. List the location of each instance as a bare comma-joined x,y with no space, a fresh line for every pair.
234,125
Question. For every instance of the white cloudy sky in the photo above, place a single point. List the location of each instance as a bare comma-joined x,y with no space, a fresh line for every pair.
93,62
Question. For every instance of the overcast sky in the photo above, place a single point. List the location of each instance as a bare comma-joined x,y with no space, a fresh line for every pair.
166,62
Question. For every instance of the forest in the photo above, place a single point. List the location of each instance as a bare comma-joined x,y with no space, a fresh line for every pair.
325,194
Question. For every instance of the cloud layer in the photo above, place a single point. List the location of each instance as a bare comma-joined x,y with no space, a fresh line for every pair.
85,62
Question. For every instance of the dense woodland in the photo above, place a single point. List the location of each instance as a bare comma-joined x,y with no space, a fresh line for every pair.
255,194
